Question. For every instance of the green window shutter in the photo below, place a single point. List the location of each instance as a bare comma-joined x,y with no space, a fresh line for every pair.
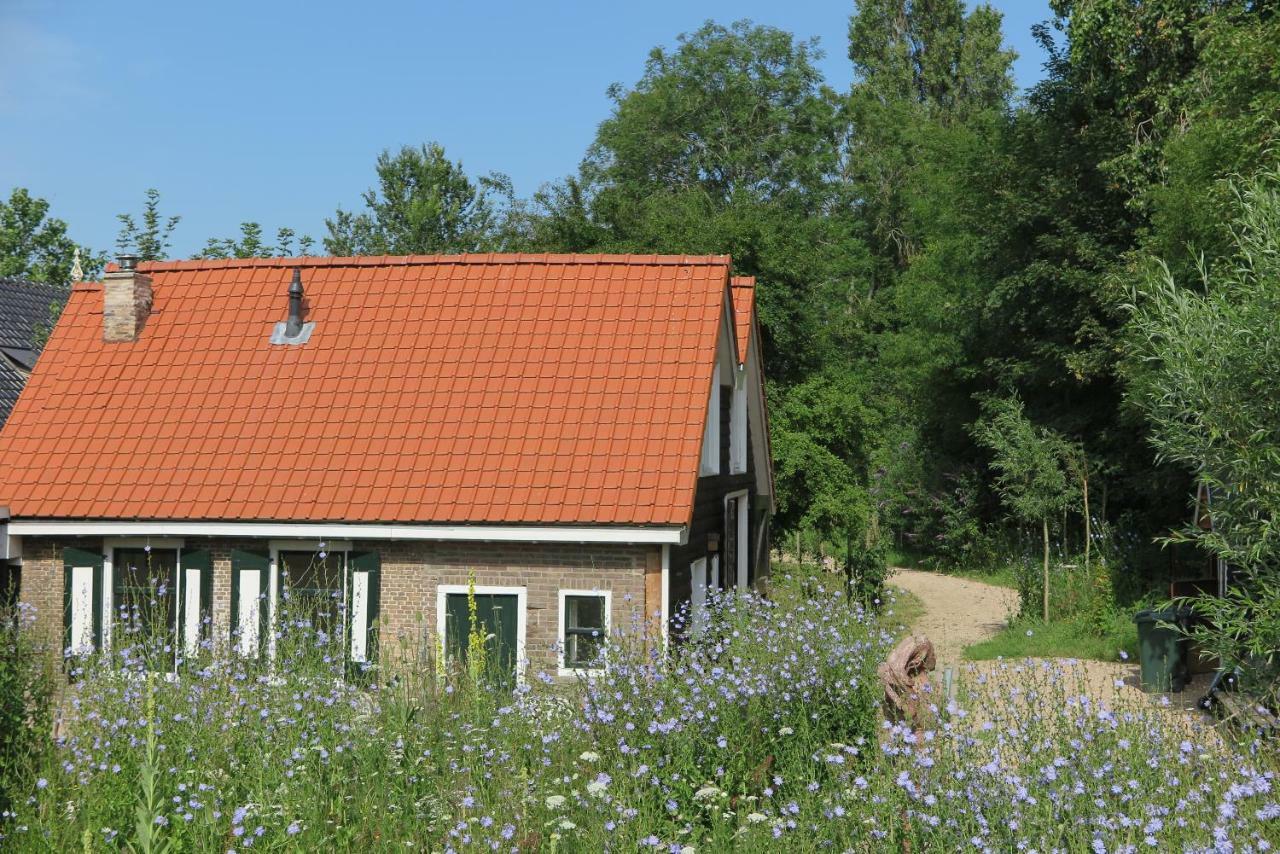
197,586
82,572
363,609
250,586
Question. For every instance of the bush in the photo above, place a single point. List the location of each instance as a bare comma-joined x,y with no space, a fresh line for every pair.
26,694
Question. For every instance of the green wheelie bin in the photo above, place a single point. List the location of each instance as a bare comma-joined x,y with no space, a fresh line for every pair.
1161,651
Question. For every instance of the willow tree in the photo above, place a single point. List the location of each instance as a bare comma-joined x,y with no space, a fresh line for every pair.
1202,369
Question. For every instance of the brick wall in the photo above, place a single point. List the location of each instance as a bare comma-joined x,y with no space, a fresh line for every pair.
411,574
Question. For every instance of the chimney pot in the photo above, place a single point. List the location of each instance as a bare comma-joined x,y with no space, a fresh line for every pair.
294,324
127,262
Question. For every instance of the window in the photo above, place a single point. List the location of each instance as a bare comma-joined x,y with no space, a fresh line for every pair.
584,627
314,588
711,436
144,596
738,424
500,618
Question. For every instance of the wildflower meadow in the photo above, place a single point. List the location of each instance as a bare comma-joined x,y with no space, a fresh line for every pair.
763,733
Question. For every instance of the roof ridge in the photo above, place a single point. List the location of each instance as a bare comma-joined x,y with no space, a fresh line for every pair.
493,258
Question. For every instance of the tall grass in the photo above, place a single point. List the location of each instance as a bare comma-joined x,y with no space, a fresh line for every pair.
760,734
26,696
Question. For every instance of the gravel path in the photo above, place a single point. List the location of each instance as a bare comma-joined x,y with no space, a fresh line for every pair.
957,612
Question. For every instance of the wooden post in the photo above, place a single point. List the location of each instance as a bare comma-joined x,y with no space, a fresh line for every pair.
1045,528
1087,527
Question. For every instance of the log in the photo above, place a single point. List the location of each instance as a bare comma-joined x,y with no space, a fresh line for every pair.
904,675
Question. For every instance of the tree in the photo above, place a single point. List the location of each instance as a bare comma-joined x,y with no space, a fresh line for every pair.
728,143
424,203
150,239
251,245
1031,474
1202,369
35,246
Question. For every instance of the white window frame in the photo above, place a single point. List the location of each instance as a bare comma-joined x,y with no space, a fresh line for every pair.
522,613
710,462
107,616
738,423
274,548
741,571
607,596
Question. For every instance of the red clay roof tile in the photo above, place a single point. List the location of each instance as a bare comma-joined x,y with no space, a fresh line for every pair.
529,389
744,304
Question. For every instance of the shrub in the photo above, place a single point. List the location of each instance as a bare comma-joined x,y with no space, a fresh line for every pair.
26,694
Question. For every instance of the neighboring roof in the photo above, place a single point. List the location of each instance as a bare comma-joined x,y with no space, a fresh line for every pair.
24,307
519,389
744,304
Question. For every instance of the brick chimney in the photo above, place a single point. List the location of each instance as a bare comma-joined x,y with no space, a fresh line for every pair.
126,301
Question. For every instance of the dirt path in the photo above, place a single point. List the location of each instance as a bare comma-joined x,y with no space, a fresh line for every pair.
957,612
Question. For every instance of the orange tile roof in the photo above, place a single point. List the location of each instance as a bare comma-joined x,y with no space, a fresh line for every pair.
527,389
744,306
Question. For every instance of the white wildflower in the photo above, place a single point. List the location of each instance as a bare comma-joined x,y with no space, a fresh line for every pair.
755,817
554,802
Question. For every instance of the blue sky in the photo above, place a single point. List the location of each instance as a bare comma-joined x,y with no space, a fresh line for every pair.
275,111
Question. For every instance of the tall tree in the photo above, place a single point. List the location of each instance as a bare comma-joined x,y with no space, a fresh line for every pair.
147,237
424,203
35,246
728,143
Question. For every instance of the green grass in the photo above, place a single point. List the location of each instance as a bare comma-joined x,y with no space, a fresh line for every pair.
1001,576
903,611
1073,638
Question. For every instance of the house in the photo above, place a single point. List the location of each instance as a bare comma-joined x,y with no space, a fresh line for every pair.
583,437
25,312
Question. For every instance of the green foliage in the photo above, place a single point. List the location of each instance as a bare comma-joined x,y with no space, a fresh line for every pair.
424,204
26,703
148,237
250,244
764,735
1202,370
1029,461
35,246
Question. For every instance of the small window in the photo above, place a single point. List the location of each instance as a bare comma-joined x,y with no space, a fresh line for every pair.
144,597
315,586
584,628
